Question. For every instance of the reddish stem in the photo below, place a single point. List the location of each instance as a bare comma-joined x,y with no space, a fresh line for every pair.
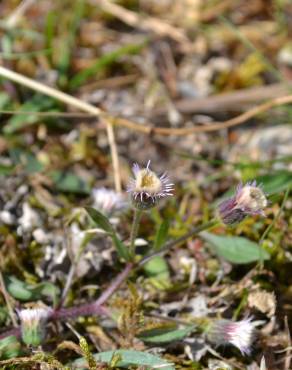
94,308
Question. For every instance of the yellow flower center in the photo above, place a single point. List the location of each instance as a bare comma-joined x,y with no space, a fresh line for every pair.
147,181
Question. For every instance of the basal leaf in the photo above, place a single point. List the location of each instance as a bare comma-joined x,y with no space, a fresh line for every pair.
28,292
235,249
38,103
165,335
128,358
10,347
69,182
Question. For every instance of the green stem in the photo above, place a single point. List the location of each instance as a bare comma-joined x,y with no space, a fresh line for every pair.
172,243
134,231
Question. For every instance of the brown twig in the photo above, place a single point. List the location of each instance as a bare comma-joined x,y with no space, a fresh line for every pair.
234,101
145,129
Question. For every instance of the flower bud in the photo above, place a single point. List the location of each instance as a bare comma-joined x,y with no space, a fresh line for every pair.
241,334
248,200
33,323
147,187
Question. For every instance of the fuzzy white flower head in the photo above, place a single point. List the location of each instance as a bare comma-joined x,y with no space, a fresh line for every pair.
241,334
147,187
248,200
108,201
33,324
251,198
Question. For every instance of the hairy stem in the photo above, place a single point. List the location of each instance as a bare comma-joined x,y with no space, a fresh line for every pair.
96,307
195,230
134,231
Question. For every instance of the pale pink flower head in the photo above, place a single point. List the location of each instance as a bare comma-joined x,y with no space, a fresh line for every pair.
241,334
248,200
33,322
146,188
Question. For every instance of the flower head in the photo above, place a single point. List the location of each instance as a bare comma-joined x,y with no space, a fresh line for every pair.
241,334
248,200
33,323
147,187
108,201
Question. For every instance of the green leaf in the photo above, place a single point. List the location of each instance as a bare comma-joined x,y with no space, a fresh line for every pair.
165,335
38,103
235,249
127,358
157,267
26,159
103,62
104,223
10,347
27,292
276,181
6,169
161,235
68,182
4,100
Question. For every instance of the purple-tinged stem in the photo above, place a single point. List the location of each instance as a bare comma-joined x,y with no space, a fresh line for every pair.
75,311
8,333
94,308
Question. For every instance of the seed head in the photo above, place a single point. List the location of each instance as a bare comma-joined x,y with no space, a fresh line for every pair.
147,187
248,200
108,201
241,334
33,323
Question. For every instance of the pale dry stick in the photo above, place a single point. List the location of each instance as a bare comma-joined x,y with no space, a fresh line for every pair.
14,18
145,129
232,363
70,100
7,300
288,353
115,156
148,24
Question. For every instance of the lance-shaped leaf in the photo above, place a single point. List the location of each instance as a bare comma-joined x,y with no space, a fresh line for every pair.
126,358
235,249
104,223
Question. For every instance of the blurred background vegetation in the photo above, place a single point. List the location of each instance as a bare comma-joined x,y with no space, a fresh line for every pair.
169,64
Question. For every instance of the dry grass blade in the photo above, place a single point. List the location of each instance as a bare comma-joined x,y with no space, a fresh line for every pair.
148,24
146,129
70,100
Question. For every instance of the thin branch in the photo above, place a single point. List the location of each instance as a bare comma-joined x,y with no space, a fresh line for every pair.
147,128
9,332
195,230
